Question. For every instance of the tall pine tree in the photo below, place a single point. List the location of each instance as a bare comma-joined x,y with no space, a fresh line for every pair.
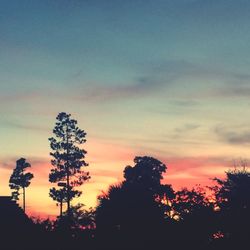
68,159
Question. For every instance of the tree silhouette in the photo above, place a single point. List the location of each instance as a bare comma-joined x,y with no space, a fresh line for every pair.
233,201
20,180
187,201
82,218
147,171
68,158
195,214
60,196
132,210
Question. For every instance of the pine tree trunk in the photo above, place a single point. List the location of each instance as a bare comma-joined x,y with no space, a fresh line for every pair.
61,205
24,205
68,197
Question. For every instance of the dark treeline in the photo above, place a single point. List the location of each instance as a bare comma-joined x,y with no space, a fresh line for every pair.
139,213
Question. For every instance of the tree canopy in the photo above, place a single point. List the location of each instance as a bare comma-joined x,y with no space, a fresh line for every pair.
20,179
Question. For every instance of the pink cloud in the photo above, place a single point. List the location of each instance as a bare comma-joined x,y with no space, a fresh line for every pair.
189,171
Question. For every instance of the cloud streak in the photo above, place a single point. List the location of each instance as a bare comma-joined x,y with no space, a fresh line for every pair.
165,80
18,125
235,137
161,80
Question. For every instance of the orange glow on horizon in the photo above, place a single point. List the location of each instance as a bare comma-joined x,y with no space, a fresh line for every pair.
106,167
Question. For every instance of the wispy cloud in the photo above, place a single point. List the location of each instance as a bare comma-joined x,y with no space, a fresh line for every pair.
233,90
233,135
151,79
187,127
19,125
179,164
165,79
194,170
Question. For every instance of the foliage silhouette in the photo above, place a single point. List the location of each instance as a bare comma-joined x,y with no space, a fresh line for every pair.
195,213
147,171
17,230
233,201
60,196
132,210
138,213
80,218
68,159
20,179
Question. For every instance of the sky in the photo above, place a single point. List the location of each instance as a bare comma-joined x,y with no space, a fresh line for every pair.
168,79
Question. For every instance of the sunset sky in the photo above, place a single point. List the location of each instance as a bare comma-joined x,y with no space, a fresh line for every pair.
165,78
